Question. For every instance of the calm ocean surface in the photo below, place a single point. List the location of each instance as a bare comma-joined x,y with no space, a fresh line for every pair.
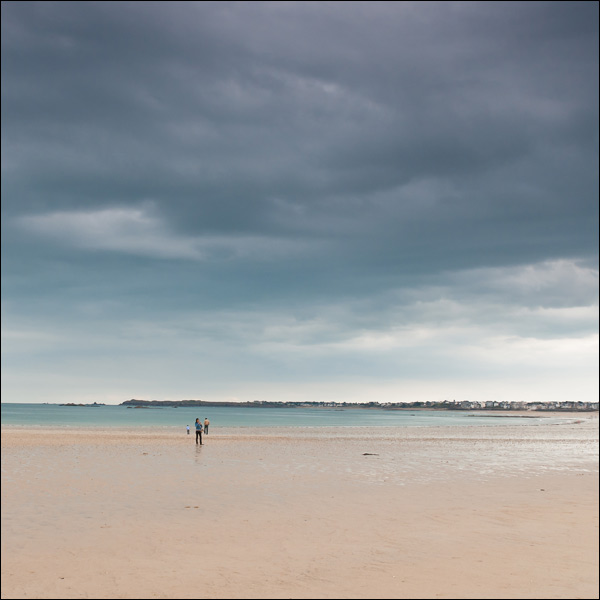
231,416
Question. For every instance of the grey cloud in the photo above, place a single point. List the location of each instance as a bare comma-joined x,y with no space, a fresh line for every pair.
393,158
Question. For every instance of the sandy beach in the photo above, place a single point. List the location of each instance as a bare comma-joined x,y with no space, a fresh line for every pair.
422,512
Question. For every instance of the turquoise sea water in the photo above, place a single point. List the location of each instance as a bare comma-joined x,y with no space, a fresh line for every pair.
231,416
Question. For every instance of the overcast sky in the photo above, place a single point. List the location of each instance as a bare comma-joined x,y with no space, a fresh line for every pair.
361,201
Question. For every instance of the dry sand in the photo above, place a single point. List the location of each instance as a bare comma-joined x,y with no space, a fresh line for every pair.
437,512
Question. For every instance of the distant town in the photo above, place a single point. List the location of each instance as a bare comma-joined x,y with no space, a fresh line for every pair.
441,405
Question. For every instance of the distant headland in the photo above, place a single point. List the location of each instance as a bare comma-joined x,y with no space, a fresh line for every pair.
74,404
442,405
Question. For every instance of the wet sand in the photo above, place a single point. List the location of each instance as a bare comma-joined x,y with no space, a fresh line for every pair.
435,512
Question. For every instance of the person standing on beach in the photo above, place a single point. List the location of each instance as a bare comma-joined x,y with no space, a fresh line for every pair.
188,429
206,424
198,431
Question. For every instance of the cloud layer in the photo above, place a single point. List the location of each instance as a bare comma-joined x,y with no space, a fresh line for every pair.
319,193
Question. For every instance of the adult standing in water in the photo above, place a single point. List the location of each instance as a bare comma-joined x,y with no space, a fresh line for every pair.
206,424
198,431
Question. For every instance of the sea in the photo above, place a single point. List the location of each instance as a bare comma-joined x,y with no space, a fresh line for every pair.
55,415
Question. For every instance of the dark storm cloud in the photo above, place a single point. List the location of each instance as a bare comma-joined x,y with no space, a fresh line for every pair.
379,141
263,118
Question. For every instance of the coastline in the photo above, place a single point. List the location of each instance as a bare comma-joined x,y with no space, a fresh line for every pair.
500,407
469,512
